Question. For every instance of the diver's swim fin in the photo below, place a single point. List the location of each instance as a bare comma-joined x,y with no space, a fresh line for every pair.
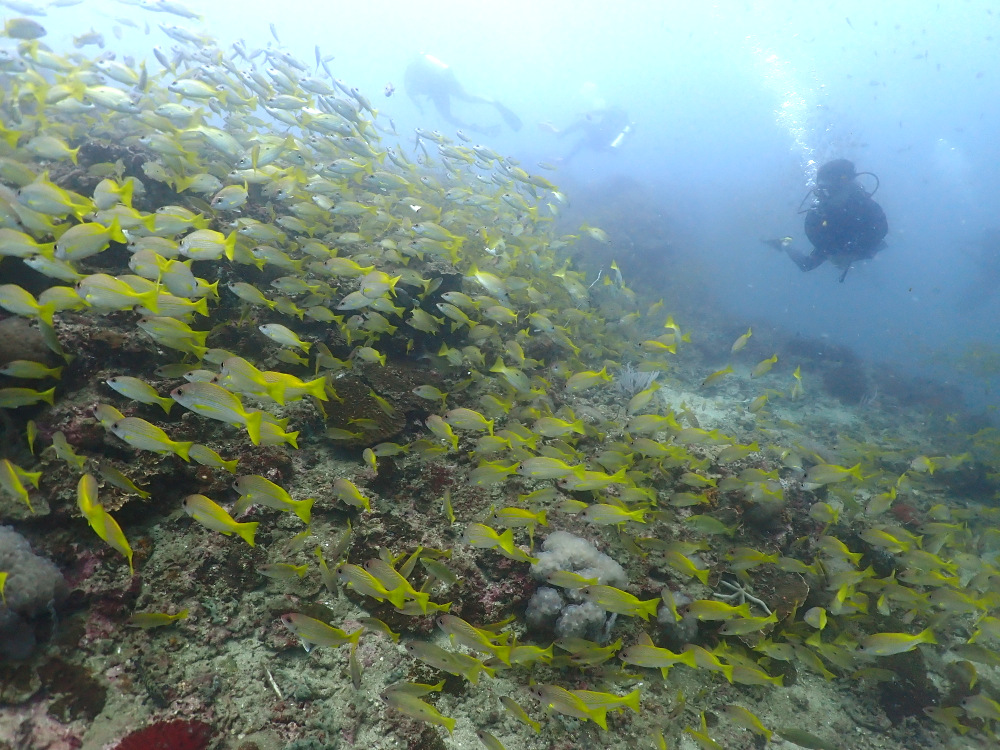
512,120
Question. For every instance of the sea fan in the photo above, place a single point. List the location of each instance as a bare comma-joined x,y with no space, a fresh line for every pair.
169,735
630,381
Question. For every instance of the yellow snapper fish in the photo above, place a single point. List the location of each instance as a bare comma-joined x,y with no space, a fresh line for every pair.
230,198
17,300
366,584
174,334
285,336
147,620
108,193
312,632
468,419
415,708
50,147
17,244
106,294
239,375
489,741
603,515
515,709
108,529
12,478
616,600
87,239
645,654
254,488
139,390
717,375
148,437
205,456
12,398
482,536
452,662
212,516
764,366
741,341
393,581
474,638
566,702
345,490
547,467
115,478
107,415
54,268
889,644
587,379
215,402
821,474
65,452
442,430
207,244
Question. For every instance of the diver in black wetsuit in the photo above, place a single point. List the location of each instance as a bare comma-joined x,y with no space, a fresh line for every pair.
844,225
428,77
603,129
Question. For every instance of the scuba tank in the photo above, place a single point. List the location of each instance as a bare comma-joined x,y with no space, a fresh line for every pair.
621,136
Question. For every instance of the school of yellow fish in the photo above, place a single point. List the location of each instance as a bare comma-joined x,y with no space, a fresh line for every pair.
335,253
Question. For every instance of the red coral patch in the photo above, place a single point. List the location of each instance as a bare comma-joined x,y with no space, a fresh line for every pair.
169,735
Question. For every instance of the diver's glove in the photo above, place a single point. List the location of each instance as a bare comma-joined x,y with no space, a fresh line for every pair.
778,244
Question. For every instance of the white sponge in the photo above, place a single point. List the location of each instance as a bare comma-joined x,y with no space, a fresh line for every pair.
564,551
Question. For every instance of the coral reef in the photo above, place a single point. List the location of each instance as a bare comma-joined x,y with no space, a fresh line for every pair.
34,587
370,398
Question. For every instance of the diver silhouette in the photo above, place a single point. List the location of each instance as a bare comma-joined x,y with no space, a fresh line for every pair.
430,78
603,129
844,224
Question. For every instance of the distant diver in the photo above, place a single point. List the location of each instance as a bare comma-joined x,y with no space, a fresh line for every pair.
432,79
844,224
602,128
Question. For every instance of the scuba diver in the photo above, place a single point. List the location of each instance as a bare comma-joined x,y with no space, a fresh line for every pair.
603,128
844,224
428,77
